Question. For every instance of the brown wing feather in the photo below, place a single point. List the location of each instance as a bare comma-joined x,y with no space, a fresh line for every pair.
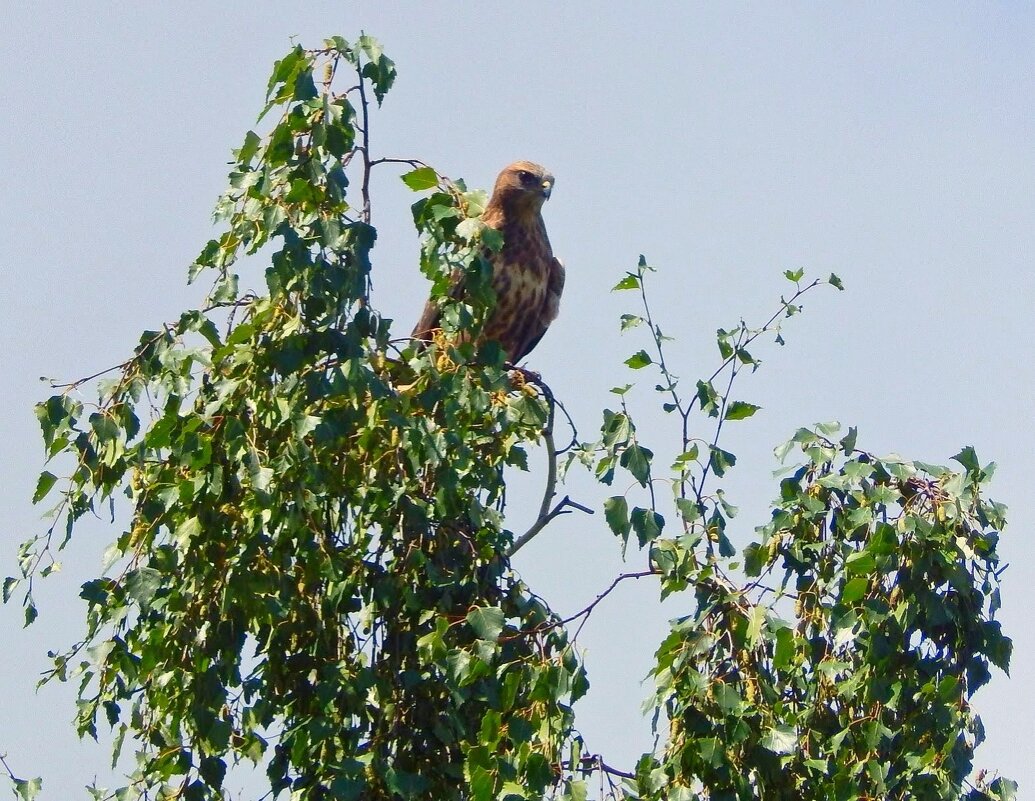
547,311
431,318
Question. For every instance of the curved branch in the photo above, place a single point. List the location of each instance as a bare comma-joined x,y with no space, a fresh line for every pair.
566,504
546,514
588,610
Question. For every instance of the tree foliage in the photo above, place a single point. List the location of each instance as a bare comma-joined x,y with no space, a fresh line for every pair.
315,574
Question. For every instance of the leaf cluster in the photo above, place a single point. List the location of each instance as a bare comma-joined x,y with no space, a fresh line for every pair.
839,660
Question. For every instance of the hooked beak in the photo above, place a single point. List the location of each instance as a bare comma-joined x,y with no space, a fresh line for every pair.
547,186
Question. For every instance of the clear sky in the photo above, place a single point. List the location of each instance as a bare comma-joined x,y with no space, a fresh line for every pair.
890,144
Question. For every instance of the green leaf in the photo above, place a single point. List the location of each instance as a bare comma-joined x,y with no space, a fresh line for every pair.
1003,789
630,321
835,282
688,509
780,739
636,460
708,398
186,531
9,584
755,621
793,275
142,584
639,360
860,563
380,70
421,178
27,789
283,68
575,790
249,148
968,458
739,410
487,622
784,651
855,589
720,460
43,485
616,513
647,524
631,281
722,339
727,697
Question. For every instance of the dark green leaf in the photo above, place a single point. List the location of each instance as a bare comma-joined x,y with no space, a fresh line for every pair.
486,621
636,460
847,443
142,584
708,398
720,460
1003,789
616,513
43,485
647,524
248,150
968,458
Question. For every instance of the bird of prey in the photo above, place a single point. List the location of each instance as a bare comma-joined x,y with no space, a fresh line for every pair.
526,278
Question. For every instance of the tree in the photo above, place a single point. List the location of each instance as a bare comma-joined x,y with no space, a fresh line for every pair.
315,575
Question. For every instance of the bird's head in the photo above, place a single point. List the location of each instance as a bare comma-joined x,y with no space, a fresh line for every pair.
523,186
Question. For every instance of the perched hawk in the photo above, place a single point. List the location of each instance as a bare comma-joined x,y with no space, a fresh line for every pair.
526,277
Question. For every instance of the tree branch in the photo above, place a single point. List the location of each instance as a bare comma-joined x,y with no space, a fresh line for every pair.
592,762
546,514
566,504
588,610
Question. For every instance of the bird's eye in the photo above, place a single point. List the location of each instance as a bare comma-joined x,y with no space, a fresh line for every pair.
526,177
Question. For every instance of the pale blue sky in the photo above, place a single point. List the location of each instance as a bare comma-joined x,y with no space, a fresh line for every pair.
891,144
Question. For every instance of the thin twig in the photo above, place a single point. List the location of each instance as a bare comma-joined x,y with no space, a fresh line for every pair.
415,163
594,762
365,149
655,331
765,329
167,328
7,767
563,507
546,514
588,610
